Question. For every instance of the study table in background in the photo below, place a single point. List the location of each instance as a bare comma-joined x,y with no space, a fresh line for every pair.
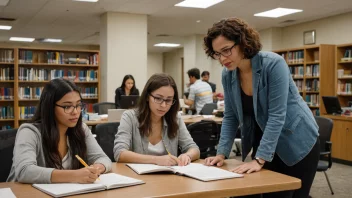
170,185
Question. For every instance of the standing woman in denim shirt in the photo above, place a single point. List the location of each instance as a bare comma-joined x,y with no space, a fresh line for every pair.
263,102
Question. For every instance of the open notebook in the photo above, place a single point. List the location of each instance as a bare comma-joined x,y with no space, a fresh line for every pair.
193,170
107,181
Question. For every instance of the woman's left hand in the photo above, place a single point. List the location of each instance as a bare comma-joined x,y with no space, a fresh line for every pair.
248,167
184,159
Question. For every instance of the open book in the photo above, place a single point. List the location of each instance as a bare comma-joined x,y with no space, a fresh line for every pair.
194,170
107,181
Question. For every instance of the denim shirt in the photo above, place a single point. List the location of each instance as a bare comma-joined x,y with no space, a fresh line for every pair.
288,125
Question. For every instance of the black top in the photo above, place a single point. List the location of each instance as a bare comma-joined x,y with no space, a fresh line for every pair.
213,86
119,92
248,110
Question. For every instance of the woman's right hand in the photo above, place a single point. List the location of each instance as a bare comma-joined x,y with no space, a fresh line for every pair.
167,160
86,175
217,160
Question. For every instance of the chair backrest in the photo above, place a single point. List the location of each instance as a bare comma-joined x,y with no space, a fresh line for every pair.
102,108
208,109
105,136
7,143
325,130
205,134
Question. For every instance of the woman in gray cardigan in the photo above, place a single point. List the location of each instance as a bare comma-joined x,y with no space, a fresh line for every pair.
154,131
45,150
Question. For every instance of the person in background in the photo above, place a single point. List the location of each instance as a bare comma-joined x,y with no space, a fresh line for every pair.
263,102
128,87
45,150
200,93
205,78
154,131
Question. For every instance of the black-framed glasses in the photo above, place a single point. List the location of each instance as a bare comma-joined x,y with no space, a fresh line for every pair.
70,108
226,52
159,100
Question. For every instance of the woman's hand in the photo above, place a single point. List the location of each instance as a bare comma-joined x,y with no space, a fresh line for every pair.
167,160
184,159
217,160
101,168
248,167
86,175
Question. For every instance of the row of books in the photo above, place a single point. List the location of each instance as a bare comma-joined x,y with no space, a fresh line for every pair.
312,99
344,87
313,85
295,57
6,112
27,112
316,112
299,84
30,92
6,55
347,56
51,57
6,73
33,74
89,92
297,72
6,93
312,70
5,127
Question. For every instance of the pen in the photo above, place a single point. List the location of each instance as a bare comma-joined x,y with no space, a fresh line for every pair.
83,162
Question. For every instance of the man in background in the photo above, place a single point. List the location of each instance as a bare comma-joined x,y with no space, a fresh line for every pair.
200,93
205,77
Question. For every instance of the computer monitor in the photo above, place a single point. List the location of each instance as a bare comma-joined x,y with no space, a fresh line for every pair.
332,105
128,102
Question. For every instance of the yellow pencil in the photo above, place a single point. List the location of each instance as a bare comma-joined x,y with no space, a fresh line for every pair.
83,162
165,147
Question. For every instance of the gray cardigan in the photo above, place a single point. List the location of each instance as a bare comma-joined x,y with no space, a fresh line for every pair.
28,164
129,138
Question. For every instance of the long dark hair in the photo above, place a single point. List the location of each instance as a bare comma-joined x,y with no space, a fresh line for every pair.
128,76
44,120
155,82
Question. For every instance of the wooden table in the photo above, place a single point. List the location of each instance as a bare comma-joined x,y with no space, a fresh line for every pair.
187,121
170,185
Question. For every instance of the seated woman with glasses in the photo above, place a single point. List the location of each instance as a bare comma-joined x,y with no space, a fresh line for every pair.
45,150
153,132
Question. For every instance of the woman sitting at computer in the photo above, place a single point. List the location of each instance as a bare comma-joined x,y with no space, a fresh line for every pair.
127,88
153,132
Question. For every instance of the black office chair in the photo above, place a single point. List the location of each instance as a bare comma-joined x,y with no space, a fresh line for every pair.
102,108
105,137
206,135
7,143
325,129
208,109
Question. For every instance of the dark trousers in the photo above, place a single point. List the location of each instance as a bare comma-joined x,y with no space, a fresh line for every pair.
304,170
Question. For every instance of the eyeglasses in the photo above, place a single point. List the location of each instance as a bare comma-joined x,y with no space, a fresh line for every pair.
226,52
70,109
161,100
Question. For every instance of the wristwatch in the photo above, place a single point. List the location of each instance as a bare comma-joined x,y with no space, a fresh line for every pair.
257,159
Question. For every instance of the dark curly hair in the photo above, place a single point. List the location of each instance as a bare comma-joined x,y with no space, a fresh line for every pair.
236,30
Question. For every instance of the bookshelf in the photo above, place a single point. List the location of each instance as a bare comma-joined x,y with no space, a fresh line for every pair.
312,70
343,73
25,71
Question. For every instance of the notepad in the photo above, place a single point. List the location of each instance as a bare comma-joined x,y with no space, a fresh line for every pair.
107,181
6,192
193,170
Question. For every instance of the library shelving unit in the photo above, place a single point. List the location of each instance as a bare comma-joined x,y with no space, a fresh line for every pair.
312,69
32,68
7,84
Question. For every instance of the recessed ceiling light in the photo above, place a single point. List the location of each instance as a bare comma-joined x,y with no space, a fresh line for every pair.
277,12
198,3
198,21
167,45
22,39
52,40
87,0
5,27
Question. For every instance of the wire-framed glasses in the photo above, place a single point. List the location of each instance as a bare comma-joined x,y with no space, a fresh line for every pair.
226,52
159,100
70,108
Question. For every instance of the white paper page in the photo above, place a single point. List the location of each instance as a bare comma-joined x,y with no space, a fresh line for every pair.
7,192
67,188
148,168
113,180
205,173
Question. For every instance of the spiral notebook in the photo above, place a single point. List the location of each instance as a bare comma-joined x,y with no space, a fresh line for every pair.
107,181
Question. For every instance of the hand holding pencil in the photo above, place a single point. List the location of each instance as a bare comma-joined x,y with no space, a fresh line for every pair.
89,173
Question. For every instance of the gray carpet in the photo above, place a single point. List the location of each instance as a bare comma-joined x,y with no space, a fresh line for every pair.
340,178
